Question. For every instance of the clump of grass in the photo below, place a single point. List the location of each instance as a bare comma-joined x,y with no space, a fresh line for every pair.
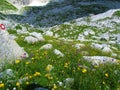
117,13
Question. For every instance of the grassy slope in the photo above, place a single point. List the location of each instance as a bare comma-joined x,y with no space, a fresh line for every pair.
72,65
4,6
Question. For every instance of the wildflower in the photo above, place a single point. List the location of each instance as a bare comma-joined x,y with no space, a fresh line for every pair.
54,87
66,65
37,74
24,55
14,88
96,66
17,61
27,83
30,77
32,58
18,84
1,85
73,70
49,68
103,82
118,61
78,68
106,74
84,70
27,63
60,83
48,76
26,74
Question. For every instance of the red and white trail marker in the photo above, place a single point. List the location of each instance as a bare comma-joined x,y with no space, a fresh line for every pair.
2,27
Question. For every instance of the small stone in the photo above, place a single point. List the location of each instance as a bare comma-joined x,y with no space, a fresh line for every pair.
106,49
30,39
38,36
78,46
48,33
59,53
46,46
69,82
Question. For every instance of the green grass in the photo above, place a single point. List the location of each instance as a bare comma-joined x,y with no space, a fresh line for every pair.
117,13
4,6
2,16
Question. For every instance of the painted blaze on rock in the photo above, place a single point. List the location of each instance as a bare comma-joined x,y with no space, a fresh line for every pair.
2,27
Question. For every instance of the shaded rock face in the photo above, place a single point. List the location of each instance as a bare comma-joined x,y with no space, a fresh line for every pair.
56,12
9,49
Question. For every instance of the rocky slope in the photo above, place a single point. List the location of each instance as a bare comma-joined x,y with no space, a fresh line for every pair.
74,21
52,14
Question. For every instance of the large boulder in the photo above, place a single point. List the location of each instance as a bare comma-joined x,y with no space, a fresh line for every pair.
9,49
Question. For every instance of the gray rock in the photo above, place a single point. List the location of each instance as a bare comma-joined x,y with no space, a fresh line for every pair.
99,59
59,53
96,46
105,36
106,49
9,49
81,37
69,82
78,45
31,39
37,35
8,73
46,46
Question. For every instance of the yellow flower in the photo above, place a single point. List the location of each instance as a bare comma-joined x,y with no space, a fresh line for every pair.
30,77
18,84
37,74
32,58
27,83
27,63
54,87
106,74
103,82
78,68
118,61
73,70
48,76
66,65
49,68
1,85
17,61
96,66
84,70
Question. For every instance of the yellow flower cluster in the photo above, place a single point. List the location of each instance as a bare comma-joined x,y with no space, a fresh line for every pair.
33,58
2,85
30,77
27,83
49,68
17,84
103,83
48,76
118,61
17,61
54,87
84,70
66,65
106,74
27,63
37,74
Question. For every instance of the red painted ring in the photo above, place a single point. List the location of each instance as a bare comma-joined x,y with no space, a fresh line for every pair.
2,26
